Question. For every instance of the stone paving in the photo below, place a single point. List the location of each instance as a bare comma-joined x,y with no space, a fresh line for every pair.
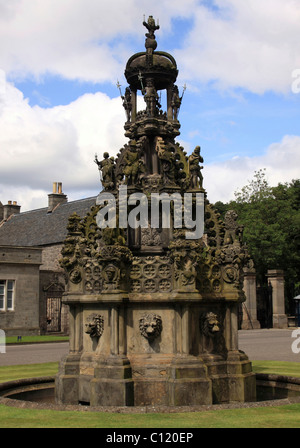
265,344
269,344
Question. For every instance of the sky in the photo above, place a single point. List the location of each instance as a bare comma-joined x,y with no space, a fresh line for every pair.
60,61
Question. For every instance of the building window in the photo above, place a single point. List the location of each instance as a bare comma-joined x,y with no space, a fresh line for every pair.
7,295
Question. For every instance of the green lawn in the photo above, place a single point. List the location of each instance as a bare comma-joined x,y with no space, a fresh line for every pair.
287,416
11,373
277,368
34,339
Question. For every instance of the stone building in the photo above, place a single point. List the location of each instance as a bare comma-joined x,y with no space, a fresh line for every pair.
31,279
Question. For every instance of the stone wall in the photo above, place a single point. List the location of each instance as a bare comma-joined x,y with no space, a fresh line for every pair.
50,258
21,264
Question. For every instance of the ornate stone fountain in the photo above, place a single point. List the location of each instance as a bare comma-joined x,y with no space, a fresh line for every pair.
153,312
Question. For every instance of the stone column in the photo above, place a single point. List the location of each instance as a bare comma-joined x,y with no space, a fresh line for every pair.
276,278
185,330
133,104
169,101
250,321
114,336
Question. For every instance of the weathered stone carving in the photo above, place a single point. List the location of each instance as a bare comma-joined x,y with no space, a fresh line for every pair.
75,276
233,231
196,178
176,102
150,237
121,272
150,326
166,155
151,98
211,333
127,103
186,255
132,164
106,168
151,274
210,324
94,325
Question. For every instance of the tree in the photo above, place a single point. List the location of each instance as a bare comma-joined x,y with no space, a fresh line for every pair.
271,220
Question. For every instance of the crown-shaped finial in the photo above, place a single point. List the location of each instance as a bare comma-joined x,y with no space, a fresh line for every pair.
151,26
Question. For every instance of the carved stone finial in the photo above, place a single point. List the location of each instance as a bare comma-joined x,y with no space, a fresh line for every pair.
151,26
150,42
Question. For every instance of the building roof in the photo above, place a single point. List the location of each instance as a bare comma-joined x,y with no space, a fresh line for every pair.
41,228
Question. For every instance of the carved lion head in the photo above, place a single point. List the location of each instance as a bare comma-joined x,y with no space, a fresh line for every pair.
150,326
210,324
94,325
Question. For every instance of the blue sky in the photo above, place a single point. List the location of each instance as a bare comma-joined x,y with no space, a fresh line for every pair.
59,103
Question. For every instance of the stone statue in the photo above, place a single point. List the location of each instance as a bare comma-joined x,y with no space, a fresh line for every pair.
151,98
127,103
233,231
175,102
166,155
106,168
196,178
132,164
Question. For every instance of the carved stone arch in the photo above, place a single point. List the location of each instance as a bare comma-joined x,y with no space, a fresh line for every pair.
213,227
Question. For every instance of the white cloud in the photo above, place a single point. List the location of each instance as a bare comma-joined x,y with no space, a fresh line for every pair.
40,146
249,44
281,160
77,39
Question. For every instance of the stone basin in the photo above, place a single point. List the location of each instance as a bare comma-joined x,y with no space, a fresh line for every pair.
39,393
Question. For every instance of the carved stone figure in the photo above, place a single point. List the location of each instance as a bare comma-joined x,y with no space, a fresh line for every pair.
111,276
106,168
196,178
175,103
166,155
132,164
94,325
233,231
151,98
150,326
127,103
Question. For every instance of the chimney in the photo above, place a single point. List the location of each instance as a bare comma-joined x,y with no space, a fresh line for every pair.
56,197
12,208
1,211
